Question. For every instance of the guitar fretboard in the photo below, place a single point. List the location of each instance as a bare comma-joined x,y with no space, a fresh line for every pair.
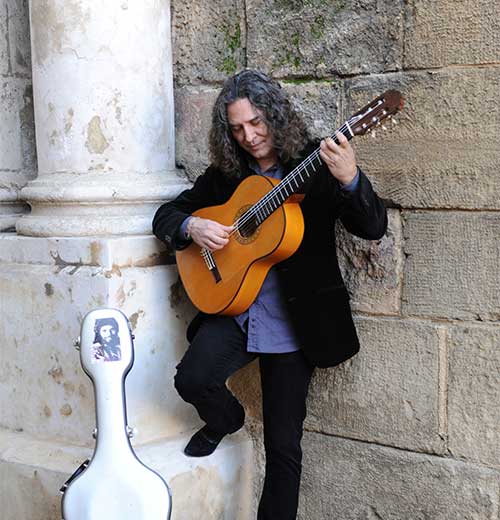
289,185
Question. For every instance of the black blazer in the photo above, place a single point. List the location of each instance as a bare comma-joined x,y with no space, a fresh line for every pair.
311,282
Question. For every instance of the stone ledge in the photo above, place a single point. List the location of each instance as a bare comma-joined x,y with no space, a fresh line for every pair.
219,486
110,253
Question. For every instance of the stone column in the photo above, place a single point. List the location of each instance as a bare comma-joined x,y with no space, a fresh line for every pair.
102,80
102,75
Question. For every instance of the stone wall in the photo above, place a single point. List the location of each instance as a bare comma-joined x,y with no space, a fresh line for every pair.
409,428
17,135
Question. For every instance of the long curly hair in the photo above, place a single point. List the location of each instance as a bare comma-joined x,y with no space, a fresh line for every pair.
284,123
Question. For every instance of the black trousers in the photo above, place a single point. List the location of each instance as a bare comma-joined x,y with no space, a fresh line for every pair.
218,350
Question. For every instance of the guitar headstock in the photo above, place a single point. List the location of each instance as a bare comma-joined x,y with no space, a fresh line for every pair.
371,115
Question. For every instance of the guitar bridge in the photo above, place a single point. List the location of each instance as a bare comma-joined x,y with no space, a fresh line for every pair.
210,263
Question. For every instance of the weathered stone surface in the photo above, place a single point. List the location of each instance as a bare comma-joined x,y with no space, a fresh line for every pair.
452,265
19,36
4,50
17,141
321,38
372,270
352,481
389,393
208,40
445,153
319,104
474,394
17,131
33,470
41,308
193,118
245,385
449,33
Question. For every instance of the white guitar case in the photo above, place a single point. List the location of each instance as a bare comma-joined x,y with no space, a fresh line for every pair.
114,484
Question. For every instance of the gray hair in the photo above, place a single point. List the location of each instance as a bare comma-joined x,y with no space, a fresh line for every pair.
265,94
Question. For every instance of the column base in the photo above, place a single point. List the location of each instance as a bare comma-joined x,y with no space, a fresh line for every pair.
11,206
91,204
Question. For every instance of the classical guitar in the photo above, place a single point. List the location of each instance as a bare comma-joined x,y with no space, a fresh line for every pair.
268,226
114,484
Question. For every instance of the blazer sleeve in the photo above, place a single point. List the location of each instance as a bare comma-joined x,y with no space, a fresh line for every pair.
170,216
362,212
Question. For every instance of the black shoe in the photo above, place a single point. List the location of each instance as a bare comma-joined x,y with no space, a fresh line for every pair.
203,443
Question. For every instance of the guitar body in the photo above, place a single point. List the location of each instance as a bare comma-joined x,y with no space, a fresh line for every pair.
269,225
244,262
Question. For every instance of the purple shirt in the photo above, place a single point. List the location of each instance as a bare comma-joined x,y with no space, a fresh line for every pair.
266,320
269,329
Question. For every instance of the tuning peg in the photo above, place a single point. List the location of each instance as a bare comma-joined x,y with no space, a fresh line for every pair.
394,121
384,127
373,133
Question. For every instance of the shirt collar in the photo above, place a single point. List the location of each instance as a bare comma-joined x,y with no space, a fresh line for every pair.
275,171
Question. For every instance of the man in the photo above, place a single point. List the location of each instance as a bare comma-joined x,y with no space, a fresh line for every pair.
106,346
301,317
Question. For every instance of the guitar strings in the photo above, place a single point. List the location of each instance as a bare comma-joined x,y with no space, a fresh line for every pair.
282,186
264,203
292,176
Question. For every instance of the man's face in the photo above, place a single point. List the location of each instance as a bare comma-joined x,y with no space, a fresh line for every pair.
107,332
251,132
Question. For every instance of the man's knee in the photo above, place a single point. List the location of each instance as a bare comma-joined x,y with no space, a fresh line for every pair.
191,385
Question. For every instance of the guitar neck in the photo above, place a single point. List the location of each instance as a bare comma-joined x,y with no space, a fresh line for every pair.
290,184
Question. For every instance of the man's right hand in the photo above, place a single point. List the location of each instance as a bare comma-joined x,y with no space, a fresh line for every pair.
208,234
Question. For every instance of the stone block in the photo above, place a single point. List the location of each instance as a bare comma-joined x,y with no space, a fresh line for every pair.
474,394
445,151
219,486
351,480
41,310
208,40
390,393
19,37
193,118
372,270
452,265
321,38
450,33
319,104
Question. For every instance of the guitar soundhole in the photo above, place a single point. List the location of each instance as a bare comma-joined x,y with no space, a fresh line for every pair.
248,230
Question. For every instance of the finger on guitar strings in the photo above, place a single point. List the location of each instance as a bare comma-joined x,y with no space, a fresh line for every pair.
342,140
327,152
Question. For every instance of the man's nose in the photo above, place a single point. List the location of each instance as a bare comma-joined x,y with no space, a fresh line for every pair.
249,134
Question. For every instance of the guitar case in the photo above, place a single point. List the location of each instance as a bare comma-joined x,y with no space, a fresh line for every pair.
114,484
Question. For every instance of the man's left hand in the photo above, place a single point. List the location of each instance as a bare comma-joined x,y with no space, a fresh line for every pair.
339,158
